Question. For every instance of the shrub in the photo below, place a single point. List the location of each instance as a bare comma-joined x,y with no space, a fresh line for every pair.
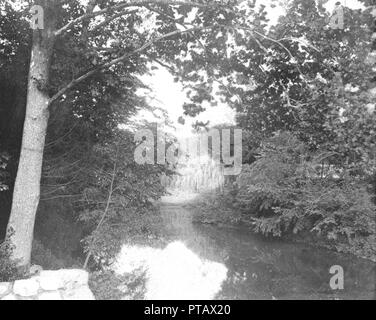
118,200
290,189
106,285
8,268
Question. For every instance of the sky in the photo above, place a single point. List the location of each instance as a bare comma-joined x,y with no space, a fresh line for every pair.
170,96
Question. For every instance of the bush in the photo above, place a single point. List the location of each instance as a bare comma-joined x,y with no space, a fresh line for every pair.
289,190
8,268
106,285
118,200
143,226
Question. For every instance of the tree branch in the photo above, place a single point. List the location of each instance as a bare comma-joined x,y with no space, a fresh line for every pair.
110,192
120,59
151,42
161,63
278,42
176,21
138,3
85,24
112,18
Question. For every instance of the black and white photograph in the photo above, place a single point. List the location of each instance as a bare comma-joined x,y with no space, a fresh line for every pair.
186,155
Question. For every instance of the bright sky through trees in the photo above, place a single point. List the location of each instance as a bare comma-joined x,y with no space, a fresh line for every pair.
170,96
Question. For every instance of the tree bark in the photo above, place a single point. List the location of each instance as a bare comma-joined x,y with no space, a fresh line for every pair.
27,185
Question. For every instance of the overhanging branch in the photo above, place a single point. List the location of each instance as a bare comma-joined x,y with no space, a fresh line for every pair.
112,18
137,3
151,42
122,58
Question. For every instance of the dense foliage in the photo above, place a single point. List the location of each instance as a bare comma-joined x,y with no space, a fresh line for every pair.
8,267
292,190
109,286
306,107
117,196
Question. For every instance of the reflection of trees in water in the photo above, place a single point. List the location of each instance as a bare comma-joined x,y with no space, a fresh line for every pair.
178,223
266,269
263,269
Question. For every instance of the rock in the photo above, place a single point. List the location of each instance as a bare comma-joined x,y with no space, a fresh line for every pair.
55,295
50,281
26,298
73,277
9,297
4,288
71,284
82,293
26,288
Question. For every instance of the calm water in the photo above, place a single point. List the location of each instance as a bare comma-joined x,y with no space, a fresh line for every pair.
264,269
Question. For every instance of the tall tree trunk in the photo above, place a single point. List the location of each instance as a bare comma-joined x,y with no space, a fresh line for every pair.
27,185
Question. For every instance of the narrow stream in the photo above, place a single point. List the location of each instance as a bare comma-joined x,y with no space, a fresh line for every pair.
266,269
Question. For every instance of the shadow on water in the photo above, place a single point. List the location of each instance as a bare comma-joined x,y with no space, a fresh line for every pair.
266,269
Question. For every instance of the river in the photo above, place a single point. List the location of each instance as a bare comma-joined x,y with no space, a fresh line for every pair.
258,268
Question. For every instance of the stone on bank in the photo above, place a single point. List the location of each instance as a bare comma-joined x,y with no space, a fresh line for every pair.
65,284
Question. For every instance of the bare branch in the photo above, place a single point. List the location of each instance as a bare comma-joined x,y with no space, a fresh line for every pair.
109,198
164,65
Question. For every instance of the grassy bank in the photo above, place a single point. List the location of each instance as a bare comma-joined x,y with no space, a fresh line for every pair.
222,210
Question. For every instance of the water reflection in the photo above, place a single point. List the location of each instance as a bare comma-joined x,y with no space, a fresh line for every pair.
173,273
262,269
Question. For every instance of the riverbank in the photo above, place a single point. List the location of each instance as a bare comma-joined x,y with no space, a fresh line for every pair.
192,260
218,210
260,267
